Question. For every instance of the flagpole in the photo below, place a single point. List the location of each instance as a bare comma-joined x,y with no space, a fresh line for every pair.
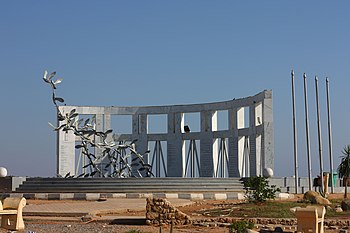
295,136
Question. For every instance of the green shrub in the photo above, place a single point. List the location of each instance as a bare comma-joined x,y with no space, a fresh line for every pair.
258,189
240,226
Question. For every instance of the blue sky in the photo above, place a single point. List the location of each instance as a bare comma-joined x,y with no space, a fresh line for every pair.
169,52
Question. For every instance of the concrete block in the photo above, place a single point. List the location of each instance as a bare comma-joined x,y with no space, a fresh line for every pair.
104,195
54,196
235,196
171,195
41,196
159,195
66,196
119,195
79,196
25,195
146,195
92,196
209,196
191,196
220,196
284,196
133,195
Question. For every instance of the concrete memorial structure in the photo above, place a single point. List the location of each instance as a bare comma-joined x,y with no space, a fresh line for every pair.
245,148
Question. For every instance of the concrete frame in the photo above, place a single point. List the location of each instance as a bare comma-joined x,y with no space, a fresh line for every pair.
250,147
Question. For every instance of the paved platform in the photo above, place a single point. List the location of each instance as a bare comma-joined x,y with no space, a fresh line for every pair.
77,209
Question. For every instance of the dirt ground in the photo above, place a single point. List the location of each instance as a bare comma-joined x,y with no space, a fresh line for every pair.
42,225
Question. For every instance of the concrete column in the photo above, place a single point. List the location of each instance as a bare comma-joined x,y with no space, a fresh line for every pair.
241,142
139,132
107,126
233,170
267,138
215,153
65,149
206,145
252,141
175,146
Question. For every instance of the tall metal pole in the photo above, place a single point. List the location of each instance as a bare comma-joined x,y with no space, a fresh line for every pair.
307,134
330,136
319,134
295,137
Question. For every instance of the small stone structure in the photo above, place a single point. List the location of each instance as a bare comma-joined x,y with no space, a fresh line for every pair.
161,211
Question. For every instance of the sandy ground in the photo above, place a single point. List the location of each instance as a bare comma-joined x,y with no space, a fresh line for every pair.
52,224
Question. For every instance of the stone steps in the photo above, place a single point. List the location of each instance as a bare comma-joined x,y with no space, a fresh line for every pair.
130,185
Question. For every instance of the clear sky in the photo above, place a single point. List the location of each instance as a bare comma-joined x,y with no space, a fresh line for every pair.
170,52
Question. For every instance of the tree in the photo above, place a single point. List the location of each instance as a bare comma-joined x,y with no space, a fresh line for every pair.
344,167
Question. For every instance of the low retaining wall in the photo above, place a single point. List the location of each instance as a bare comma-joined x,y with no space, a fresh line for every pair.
287,184
98,196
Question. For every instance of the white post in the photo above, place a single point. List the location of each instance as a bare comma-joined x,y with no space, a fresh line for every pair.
330,136
319,134
307,134
295,137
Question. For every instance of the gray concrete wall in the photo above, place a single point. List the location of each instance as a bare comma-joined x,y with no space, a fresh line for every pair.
287,184
250,146
10,183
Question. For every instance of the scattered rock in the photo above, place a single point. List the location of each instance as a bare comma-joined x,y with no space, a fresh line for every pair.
321,201
338,210
310,196
294,209
345,204
87,218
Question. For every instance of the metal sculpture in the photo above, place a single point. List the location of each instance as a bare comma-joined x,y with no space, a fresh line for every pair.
121,157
